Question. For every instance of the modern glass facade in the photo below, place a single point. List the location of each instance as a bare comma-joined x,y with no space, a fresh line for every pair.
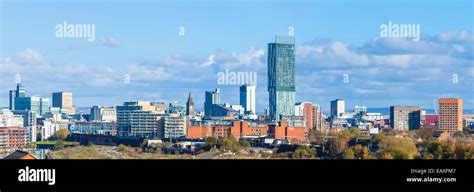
212,97
281,77
178,108
28,103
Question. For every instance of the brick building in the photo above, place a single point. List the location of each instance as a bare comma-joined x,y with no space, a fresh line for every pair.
12,137
239,129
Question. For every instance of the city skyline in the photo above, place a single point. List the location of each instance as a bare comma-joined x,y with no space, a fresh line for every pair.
170,66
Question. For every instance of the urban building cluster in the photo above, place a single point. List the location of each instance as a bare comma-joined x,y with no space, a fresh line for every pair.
30,118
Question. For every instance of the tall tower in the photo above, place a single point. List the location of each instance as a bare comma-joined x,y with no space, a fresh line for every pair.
281,77
212,98
247,98
20,90
338,107
190,105
450,114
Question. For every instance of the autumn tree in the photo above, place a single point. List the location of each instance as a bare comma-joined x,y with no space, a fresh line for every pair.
397,148
361,152
61,134
303,151
348,154
339,143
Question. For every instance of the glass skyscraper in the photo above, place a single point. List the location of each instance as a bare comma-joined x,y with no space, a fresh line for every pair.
281,77
212,98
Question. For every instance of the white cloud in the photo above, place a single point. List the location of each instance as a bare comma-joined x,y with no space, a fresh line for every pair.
28,57
349,56
209,62
110,42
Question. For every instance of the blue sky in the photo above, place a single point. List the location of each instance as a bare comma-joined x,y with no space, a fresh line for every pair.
140,38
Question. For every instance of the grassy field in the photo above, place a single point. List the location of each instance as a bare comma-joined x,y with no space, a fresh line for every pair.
54,142
110,152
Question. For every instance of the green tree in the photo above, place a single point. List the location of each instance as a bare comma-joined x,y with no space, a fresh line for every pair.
436,150
463,150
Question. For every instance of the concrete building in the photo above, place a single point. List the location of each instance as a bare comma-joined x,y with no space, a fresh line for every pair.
101,113
9,119
64,101
95,128
338,108
29,123
139,119
160,107
405,118
450,112
174,126
247,98
49,127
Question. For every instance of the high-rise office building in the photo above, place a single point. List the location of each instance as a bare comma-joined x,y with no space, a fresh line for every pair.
28,103
281,77
44,105
20,90
190,106
212,98
247,98
404,118
101,113
12,95
450,111
338,107
64,101
138,119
